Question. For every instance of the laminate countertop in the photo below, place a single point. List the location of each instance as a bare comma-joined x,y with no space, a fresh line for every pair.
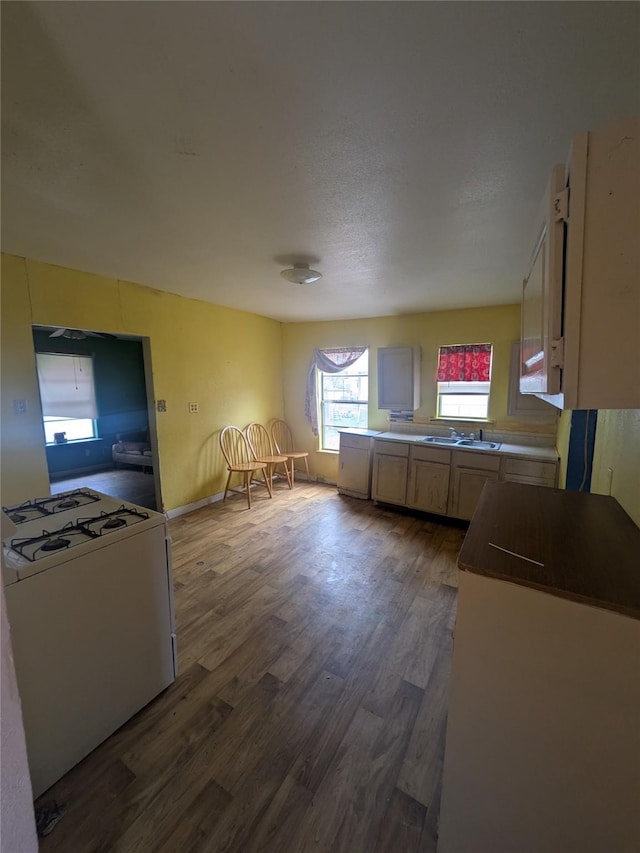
577,546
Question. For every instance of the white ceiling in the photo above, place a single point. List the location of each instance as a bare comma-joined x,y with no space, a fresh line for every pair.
201,147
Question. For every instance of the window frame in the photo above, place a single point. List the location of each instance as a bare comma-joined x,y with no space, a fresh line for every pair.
461,393
322,401
55,423
480,392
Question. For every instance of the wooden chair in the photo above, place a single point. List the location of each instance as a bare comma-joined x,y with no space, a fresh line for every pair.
262,449
239,459
285,445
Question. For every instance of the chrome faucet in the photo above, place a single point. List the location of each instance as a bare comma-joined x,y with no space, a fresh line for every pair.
471,436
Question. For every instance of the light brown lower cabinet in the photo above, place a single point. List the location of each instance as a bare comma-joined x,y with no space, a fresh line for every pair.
355,465
469,473
467,485
390,471
446,482
429,486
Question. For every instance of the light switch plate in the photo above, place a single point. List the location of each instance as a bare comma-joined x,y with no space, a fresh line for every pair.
20,407
161,405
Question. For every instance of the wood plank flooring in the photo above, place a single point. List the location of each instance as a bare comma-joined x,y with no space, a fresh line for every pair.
129,484
314,637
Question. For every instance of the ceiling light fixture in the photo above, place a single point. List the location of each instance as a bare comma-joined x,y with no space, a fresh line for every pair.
301,274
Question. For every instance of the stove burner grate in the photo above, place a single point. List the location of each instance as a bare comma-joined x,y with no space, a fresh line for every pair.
56,544
107,522
27,511
68,503
64,501
50,541
114,523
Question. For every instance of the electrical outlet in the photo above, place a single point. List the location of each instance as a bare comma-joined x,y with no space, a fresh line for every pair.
20,407
193,408
161,405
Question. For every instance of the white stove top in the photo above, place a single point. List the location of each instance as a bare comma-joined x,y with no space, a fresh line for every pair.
58,528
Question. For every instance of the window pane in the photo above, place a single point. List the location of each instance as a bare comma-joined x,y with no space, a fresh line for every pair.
330,438
74,428
344,414
338,387
464,405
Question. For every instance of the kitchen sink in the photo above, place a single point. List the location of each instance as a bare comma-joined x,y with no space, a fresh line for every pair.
477,444
461,442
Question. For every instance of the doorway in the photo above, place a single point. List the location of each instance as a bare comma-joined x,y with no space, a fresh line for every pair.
115,414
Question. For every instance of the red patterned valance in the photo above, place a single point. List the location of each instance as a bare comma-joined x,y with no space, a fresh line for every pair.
468,363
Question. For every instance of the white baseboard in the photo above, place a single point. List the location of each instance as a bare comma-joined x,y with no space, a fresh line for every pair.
183,510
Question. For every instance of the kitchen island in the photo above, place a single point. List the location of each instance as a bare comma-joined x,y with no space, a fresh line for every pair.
543,741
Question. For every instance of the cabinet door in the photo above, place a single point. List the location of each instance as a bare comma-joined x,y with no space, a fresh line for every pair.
354,470
467,487
542,296
526,406
429,487
399,378
390,478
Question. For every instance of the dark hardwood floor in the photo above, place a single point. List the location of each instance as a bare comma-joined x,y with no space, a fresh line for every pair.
129,484
314,638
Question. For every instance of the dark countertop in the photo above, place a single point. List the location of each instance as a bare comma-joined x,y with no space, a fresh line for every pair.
578,546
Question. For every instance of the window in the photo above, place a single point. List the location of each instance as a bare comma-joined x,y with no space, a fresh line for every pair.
344,398
67,394
464,380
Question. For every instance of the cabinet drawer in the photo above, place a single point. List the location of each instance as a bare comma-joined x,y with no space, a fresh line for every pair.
430,454
359,441
531,481
530,468
391,448
481,461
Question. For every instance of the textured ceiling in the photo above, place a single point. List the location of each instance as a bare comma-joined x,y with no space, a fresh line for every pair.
401,148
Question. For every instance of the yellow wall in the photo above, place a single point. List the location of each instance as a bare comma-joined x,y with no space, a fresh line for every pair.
499,326
562,445
23,464
237,366
618,447
228,361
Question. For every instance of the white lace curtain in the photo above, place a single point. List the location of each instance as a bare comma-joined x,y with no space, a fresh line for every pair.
330,361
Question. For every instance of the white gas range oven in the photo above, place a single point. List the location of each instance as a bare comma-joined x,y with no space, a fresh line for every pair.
89,596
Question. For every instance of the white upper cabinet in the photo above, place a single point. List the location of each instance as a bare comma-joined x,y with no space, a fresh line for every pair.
542,297
527,407
399,378
581,292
